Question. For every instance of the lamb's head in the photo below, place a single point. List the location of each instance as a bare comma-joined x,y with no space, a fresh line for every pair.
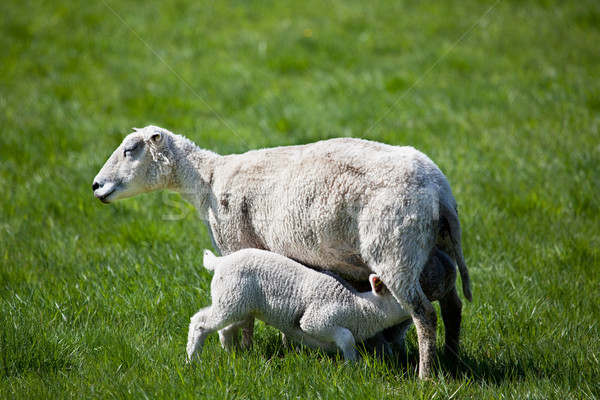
384,298
377,286
141,164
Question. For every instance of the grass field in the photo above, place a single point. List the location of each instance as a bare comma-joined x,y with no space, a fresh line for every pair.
503,95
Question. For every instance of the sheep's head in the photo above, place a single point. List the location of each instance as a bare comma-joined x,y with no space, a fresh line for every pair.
140,164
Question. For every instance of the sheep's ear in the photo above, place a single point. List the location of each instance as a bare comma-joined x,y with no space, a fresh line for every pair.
377,285
157,137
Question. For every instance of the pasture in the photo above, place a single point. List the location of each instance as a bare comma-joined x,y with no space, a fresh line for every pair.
504,96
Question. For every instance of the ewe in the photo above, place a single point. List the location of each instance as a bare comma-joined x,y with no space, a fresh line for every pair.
311,307
346,205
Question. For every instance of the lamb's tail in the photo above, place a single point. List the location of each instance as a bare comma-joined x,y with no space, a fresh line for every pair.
210,260
454,226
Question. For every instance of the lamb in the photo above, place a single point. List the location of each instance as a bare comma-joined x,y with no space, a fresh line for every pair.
349,206
438,284
308,306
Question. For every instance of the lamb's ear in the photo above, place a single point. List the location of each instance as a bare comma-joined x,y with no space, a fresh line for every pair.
377,285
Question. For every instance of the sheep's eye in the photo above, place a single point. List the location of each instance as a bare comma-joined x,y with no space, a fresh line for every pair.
129,151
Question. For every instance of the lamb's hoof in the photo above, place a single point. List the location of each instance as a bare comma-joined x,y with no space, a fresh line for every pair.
189,359
351,360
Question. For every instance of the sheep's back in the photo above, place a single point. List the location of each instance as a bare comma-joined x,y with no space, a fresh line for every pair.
306,202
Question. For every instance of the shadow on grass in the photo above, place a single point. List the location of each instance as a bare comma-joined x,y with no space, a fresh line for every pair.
484,370
477,369
468,367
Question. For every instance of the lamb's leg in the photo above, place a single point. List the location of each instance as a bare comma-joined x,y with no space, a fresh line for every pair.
379,345
396,335
229,335
248,332
318,330
202,324
200,328
451,308
342,337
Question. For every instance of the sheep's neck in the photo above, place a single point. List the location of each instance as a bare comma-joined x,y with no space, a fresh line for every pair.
192,171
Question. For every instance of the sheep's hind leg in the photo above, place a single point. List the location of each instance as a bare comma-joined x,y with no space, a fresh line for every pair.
425,320
378,345
413,299
451,308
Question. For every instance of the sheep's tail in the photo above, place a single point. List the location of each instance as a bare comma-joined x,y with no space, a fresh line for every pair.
454,225
210,260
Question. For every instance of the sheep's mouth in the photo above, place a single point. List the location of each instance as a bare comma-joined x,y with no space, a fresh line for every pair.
104,197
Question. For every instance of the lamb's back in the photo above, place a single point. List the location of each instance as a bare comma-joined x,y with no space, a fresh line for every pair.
273,288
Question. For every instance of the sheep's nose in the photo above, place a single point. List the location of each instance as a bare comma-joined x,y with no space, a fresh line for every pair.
95,186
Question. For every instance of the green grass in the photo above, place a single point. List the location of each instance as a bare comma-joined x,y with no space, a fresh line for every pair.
95,300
